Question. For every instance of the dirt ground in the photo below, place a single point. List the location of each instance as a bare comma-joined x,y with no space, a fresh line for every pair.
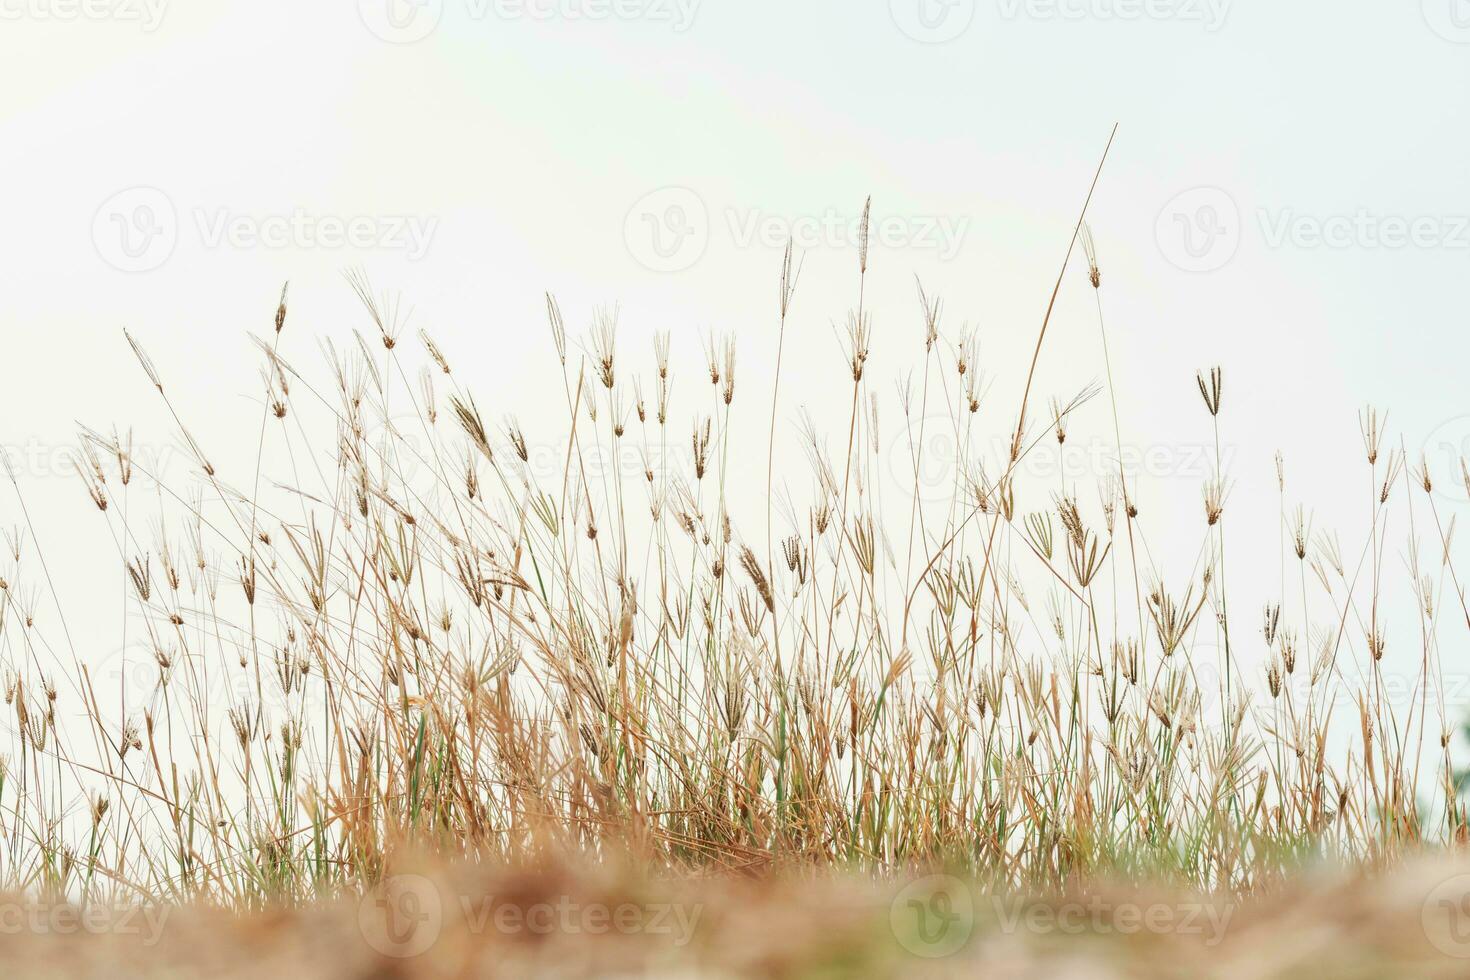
465,923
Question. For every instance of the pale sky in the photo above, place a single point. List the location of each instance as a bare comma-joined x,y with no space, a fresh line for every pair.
1287,197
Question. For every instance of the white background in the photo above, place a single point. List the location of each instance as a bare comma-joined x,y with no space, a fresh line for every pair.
529,141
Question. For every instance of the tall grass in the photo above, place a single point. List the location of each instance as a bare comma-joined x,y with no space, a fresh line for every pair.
416,634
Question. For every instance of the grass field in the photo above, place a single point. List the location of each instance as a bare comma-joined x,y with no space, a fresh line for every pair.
390,636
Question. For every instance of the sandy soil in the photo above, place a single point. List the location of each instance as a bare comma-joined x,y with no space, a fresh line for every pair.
465,923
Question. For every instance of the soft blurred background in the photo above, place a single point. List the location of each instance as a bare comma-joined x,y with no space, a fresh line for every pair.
1286,198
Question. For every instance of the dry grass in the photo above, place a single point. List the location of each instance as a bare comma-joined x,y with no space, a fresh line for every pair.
395,628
